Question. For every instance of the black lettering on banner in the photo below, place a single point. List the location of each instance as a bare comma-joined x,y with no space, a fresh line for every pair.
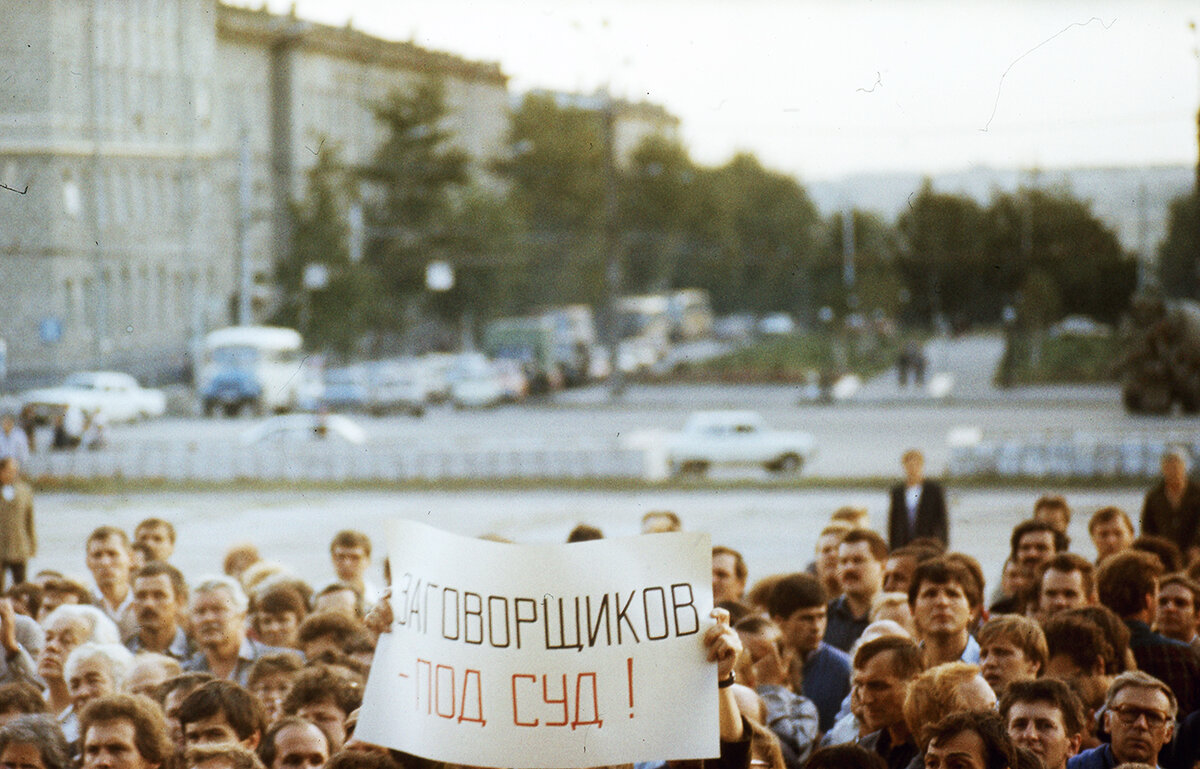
414,606
623,616
468,612
446,591
563,641
430,587
677,605
661,603
601,616
517,602
492,621
402,614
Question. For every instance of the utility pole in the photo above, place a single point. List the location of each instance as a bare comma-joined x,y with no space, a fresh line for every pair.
612,249
245,280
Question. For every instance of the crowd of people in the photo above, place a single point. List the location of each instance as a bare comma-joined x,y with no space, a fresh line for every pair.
884,652
893,653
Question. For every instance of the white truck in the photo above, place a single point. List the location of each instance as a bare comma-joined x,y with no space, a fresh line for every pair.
736,438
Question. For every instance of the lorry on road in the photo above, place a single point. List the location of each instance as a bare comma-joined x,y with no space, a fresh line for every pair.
552,348
262,369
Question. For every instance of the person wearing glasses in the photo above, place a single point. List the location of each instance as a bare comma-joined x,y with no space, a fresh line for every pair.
1139,714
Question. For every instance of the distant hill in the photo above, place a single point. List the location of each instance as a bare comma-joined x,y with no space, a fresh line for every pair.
1131,200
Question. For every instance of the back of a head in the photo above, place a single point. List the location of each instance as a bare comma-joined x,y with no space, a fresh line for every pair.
584,533
794,592
233,755
1168,553
241,709
848,756
1115,632
324,683
1081,640
1125,579
938,692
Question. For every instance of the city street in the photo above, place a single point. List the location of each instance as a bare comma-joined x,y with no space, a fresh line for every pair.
859,438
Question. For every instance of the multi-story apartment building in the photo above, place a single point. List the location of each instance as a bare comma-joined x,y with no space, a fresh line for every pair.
122,131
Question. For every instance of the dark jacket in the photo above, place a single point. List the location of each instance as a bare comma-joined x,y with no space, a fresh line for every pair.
1181,525
931,520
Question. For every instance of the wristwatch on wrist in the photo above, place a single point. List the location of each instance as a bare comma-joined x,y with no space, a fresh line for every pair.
726,682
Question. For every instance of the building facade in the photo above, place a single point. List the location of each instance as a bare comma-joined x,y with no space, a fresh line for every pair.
128,217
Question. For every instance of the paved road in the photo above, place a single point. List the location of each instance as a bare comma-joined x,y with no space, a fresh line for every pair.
862,437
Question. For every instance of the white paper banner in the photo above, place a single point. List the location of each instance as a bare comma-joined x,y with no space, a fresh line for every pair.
545,656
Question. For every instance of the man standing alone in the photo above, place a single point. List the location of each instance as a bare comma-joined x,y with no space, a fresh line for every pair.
18,539
918,506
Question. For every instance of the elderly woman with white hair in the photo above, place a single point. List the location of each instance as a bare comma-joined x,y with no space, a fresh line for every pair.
67,627
93,670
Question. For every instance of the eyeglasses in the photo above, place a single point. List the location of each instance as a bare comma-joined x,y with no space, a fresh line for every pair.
1130,714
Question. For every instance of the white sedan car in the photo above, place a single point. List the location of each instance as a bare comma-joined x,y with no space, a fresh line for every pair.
115,396
736,438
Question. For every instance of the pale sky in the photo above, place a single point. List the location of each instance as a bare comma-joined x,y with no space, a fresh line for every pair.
821,89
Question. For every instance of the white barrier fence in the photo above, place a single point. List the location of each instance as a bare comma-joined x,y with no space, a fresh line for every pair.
1070,456
334,462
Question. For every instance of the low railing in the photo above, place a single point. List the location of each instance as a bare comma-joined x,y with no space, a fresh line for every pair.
1077,455
333,462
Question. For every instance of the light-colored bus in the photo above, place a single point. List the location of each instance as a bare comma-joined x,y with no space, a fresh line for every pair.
260,368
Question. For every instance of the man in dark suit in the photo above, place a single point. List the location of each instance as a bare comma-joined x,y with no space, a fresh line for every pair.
918,506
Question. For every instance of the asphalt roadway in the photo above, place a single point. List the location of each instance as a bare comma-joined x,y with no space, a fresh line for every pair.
860,439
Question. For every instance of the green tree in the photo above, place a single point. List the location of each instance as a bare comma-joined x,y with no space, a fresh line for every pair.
877,281
1179,251
413,179
659,198
941,260
1054,233
555,172
332,316
764,232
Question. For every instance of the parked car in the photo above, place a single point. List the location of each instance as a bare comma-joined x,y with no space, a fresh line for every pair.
474,382
345,389
395,386
115,396
736,438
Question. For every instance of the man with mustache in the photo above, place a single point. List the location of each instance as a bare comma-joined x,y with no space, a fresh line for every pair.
159,600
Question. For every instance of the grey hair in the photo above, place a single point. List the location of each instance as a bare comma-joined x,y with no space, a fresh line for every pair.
116,657
102,630
230,585
42,731
1137,679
